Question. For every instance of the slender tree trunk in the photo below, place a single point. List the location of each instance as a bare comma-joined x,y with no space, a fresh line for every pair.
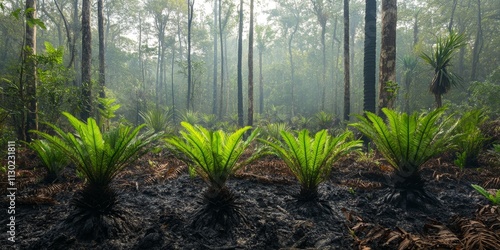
369,57
221,101
453,8
478,43
261,85
240,55
387,72
31,76
74,49
190,80
214,84
347,83
102,70
415,31
86,110
250,68
292,68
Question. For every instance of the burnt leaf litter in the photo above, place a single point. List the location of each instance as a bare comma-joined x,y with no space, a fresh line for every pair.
160,206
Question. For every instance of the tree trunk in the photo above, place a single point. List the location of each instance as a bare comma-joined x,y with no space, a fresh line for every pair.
261,85
102,71
292,68
387,72
86,62
214,78
347,83
478,44
370,46
190,80
221,101
250,68
31,76
74,49
240,55
453,8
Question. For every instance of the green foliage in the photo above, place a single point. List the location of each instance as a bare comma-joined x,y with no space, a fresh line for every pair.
324,120
190,117
484,95
98,156
311,159
272,131
157,120
53,158
493,198
470,139
214,154
108,107
408,141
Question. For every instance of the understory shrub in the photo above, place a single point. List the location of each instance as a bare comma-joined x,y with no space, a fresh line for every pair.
53,159
98,157
470,140
311,159
407,142
214,155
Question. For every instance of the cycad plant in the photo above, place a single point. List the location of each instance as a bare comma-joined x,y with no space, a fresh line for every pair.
99,157
440,60
53,159
470,140
407,142
157,120
272,131
215,156
311,159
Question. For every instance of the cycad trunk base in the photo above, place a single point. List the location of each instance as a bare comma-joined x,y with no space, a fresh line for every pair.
309,204
409,192
97,215
219,210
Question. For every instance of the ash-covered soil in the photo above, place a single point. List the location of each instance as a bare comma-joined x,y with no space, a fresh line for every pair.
159,198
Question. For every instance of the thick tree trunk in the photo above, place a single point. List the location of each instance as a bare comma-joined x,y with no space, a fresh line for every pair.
347,82
250,68
86,110
370,46
31,76
387,72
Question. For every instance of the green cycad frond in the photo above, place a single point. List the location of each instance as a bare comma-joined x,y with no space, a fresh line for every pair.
407,141
54,159
99,157
157,120
311,159
215,154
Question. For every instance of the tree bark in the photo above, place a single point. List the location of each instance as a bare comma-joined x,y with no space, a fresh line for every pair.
86,62
478,44
347,82
190,80
370,46
214,78
250,67
31,76
102,66
387,71
261,85
240,55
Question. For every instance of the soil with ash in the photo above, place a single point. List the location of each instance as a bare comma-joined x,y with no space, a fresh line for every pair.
159,199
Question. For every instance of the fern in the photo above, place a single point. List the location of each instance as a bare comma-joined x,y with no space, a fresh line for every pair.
310,159
53,159
408,141
157,120
214,154
493,198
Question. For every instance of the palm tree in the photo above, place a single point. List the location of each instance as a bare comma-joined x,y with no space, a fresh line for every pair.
440,59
